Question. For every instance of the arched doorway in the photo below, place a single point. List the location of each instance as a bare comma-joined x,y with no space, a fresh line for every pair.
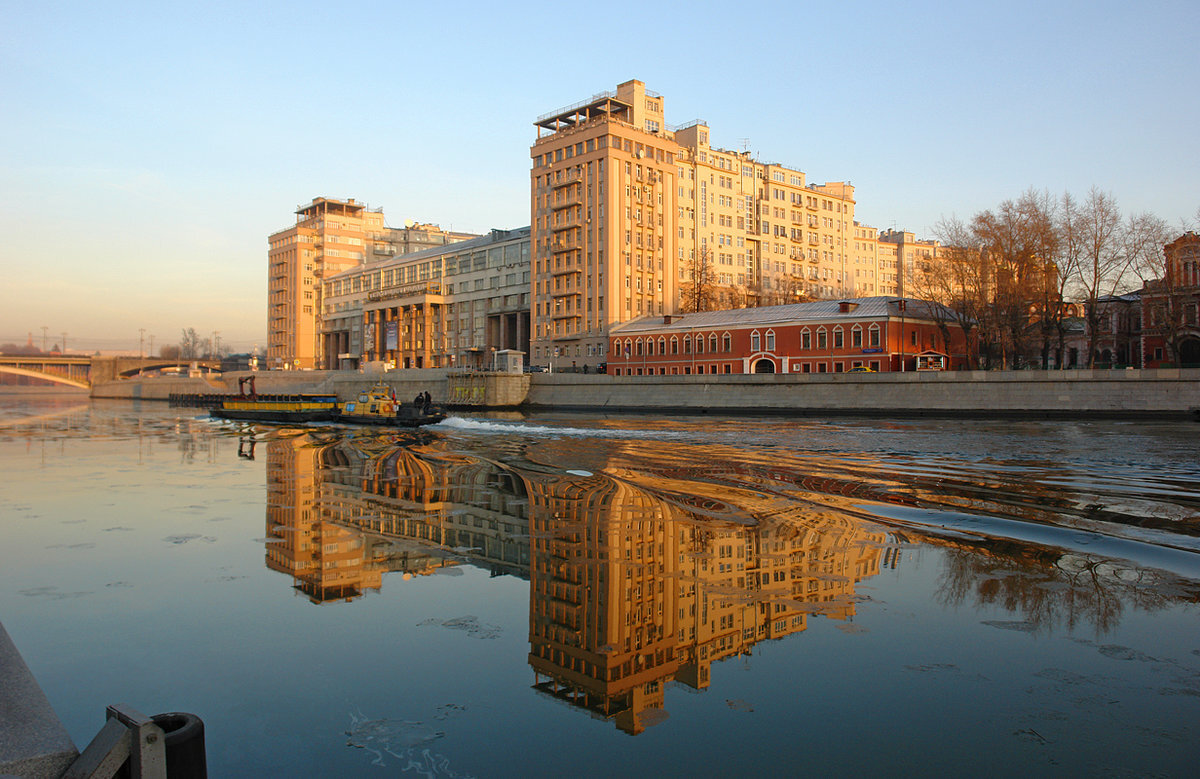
1189,353
764,366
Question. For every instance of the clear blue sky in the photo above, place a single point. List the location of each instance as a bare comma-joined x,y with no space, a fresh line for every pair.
150,148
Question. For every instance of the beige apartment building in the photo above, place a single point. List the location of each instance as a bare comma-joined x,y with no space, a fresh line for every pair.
632,217
329,236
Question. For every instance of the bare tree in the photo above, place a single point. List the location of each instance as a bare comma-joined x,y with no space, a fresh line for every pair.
1103,263
1163,304
957,280
699,282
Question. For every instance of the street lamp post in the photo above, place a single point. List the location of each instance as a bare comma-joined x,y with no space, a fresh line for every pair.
64,343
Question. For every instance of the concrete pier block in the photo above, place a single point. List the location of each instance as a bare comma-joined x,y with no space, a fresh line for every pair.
33,742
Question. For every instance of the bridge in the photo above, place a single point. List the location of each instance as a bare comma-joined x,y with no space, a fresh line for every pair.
83,372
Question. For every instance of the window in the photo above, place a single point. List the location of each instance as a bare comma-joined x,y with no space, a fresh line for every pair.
822,339
856,339
770,340
805,339
754,341
838,336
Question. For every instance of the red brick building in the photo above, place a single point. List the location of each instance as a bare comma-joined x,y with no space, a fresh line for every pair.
879,333
1171,307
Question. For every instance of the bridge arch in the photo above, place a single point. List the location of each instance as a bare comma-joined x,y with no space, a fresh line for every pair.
12,369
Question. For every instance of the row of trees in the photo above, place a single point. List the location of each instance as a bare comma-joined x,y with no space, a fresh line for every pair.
192,347
1005,273
1008,271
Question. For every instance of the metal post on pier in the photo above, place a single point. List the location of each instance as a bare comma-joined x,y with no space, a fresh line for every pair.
165,746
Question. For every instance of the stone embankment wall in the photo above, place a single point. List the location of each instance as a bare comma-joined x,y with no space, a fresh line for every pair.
455,388
1017,393
1163,392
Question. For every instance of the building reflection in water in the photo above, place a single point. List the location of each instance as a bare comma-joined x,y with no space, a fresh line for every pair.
341,514
628,591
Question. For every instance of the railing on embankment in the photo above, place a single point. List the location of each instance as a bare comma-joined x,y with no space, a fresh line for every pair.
1117,393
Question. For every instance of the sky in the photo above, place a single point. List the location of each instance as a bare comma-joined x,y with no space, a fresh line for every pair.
147,150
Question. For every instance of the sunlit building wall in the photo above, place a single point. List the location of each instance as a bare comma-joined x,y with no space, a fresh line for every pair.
329,236
452,306
628,213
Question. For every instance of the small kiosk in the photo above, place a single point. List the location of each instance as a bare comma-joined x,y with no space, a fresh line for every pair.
932,361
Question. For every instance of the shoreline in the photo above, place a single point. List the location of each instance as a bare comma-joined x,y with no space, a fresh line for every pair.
1103,394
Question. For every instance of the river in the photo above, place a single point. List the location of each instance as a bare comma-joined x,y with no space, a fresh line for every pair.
570,594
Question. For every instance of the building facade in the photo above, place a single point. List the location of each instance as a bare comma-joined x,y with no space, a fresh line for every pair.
1171,307
631,217
329,236
879,333
452,306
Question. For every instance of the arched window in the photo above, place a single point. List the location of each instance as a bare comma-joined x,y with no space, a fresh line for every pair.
755,341
822,338
727,343
770,340
650,346
839,337
873,335
712,344
662,345
637,348
856,339
806,339
700,344
674,345
687,344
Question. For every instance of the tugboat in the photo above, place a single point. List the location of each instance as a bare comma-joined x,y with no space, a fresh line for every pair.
378,406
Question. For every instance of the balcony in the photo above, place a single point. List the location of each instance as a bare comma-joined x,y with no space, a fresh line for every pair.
572,177
567,243
567,199
569,222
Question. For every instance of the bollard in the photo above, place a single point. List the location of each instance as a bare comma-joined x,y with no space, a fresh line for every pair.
183,735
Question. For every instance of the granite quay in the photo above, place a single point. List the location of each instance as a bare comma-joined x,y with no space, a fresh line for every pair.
1163,392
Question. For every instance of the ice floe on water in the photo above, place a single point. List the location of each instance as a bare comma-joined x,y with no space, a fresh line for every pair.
469,624
400,745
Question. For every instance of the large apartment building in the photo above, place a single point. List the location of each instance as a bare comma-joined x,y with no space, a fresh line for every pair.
632,217
329,236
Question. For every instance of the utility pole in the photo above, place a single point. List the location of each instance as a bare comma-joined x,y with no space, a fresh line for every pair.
44,329
64,343
152,344
217,344
141,343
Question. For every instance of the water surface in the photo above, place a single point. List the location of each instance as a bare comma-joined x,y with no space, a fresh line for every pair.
585,594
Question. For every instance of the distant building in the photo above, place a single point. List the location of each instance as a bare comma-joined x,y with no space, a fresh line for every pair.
877,333
452,306
329,236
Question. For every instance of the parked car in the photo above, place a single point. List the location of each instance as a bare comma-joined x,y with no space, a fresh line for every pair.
861,369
